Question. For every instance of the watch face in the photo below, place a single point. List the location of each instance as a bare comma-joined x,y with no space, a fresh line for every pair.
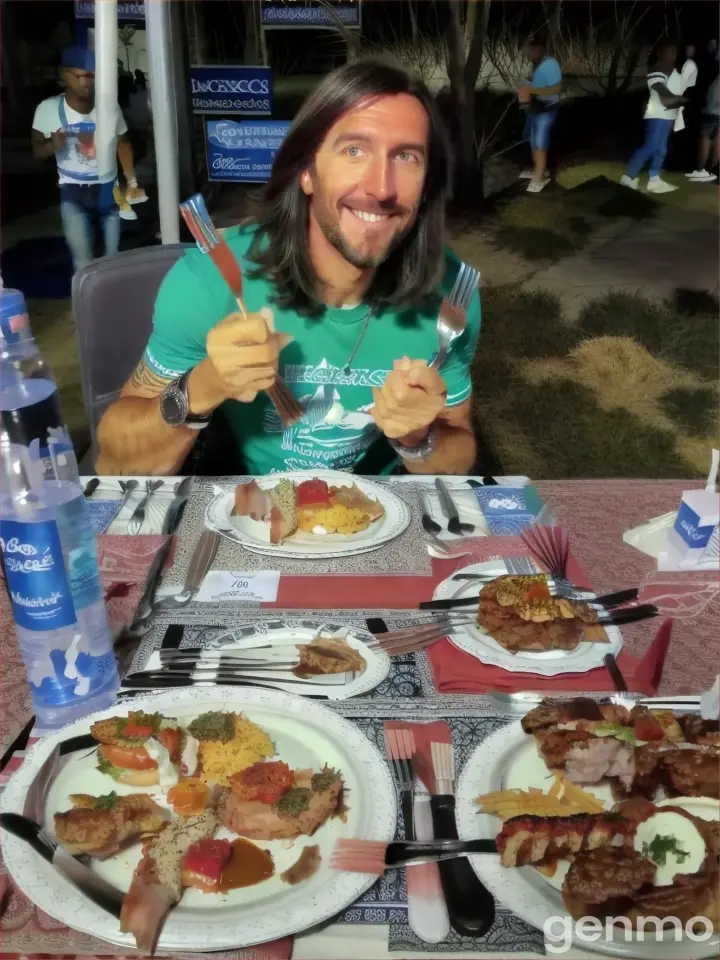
173,407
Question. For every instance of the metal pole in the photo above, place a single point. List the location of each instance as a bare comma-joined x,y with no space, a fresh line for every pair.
106,86
164,119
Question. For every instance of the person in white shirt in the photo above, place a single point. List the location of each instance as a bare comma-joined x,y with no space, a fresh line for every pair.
660,117
689,70
64,127
709,137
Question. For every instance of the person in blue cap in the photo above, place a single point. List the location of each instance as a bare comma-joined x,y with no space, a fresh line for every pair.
64,127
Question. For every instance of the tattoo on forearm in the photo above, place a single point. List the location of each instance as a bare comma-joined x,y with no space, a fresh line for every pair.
144,378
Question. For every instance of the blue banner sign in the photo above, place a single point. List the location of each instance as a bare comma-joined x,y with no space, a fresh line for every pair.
243,152
85,10
287,14
221,89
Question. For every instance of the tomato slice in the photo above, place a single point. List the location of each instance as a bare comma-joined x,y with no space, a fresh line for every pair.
312,492
647,728
170,739
127,758
263,781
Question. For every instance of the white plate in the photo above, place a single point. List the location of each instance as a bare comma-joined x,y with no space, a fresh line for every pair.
506,760
265,636
545,663
306,735
254,535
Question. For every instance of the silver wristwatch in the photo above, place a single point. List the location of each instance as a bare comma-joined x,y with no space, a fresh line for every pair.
175,406
420,452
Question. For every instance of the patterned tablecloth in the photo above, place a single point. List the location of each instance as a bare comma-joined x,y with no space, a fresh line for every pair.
597,512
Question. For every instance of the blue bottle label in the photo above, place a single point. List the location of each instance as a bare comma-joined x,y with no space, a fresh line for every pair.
62,677
36,577
687,526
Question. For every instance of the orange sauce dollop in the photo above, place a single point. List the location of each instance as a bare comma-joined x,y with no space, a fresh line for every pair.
248,865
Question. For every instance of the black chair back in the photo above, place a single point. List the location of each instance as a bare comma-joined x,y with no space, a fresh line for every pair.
113,300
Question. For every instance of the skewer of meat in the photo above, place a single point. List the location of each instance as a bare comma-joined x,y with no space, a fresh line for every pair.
528,840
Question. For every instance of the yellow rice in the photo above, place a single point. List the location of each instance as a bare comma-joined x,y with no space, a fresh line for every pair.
220,760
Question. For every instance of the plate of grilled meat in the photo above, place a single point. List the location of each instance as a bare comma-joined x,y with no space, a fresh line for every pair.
210,813
521,626
606,812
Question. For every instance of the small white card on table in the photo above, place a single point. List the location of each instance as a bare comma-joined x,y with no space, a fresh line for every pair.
222,585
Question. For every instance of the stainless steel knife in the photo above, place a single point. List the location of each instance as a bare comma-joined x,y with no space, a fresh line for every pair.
144,607
450,510
201,561
175,510
91,884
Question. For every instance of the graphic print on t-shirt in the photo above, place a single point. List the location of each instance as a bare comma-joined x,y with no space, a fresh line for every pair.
77,159
333,432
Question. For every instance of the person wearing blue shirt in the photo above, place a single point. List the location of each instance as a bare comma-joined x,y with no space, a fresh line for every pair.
540,98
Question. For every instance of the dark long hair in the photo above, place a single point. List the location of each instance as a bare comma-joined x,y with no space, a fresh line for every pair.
280,248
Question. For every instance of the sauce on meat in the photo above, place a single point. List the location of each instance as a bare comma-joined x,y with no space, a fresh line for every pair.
304,867
248,865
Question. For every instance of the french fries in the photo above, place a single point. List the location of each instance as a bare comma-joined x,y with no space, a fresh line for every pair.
562,800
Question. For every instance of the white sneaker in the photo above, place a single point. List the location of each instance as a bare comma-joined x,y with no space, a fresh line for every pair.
626,181
701,176
526,174
535,186
658,185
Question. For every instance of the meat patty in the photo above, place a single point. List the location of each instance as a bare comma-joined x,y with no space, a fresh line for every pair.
555,745
589,761
697,730
100,831
260,821
607,873
693,773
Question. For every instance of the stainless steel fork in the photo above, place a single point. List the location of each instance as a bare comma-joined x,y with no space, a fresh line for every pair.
452,318
197,218
138,518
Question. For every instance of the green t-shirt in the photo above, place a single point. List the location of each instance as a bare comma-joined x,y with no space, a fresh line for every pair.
338,427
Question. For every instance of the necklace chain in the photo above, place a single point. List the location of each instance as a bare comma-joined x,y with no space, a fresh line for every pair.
365,324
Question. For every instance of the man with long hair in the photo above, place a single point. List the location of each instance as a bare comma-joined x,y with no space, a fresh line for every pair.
345,270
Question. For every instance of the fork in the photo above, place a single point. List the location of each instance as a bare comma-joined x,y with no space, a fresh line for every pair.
400,747
198,221
138,518
452,318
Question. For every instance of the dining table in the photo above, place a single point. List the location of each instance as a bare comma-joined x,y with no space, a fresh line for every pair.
387,584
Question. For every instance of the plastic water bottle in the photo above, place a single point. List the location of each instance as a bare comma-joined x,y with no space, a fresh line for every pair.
47,541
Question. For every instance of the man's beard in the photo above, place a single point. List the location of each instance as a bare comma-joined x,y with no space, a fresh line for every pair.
337,239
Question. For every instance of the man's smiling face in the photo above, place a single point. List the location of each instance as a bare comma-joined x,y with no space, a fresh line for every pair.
367,178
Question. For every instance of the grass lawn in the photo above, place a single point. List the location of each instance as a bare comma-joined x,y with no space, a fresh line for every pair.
629,390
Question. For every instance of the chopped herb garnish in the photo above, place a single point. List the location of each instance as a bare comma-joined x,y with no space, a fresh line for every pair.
324,780
106,802
215,725
138,727
294,802
659,848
